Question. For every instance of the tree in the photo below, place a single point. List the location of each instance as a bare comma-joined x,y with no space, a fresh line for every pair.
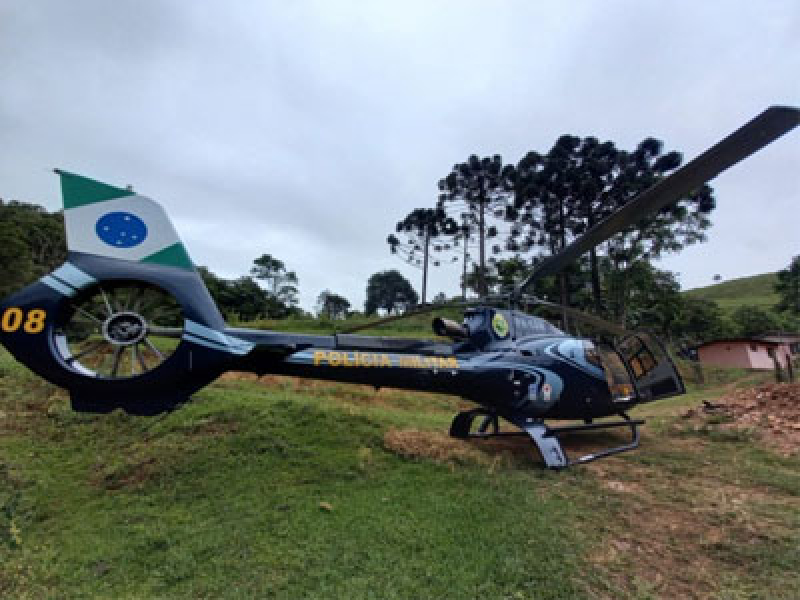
671,229
242,298
788,287
421,226
480,189
650,299
332,305
645,298
547,203
501,274
16,266
754,320
281,284
32,243
579,182
701,320
389,291
251,302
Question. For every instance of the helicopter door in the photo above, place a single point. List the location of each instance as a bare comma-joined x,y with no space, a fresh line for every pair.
654,375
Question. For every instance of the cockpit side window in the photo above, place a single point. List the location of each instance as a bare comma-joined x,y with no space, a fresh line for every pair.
638,356
473,321
619,382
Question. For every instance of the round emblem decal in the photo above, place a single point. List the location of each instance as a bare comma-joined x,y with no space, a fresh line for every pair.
500,325
121,229
547,392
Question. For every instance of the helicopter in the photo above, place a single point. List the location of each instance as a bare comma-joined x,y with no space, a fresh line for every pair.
127,322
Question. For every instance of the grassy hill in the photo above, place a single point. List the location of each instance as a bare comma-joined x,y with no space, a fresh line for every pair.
757,290
281,488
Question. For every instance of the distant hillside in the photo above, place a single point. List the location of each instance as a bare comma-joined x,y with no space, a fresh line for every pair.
757,290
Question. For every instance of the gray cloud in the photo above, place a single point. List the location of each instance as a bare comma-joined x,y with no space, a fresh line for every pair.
307,129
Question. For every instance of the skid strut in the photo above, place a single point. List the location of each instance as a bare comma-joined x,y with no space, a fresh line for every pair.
544,436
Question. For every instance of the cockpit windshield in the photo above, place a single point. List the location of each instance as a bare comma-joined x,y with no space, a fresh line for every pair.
606,358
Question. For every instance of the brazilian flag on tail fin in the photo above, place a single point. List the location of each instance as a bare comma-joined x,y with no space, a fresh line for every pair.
114,222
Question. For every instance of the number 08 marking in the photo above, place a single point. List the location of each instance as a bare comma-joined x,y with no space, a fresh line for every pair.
14,318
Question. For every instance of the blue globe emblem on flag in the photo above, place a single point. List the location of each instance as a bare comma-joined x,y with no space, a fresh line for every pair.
121,229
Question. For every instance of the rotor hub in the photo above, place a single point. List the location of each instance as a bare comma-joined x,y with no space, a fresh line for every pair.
125,328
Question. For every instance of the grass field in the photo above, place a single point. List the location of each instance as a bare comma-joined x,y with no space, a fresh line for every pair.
416,326
297,489
757,290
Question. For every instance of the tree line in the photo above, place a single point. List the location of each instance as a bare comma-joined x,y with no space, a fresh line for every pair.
32,243
499,219
527,211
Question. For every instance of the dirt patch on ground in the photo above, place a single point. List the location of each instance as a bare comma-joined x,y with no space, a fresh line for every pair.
209,427
238,376
657,553
680,533
439,447
680,539
770,410
126,476
671,531
668,539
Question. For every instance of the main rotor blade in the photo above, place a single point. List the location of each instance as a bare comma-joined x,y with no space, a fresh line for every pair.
580,315
385,320
424,309
421,310
749,139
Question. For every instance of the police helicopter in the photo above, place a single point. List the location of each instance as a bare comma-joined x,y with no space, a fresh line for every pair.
127,323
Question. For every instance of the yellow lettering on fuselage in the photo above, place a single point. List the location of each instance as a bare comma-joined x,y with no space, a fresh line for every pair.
334,358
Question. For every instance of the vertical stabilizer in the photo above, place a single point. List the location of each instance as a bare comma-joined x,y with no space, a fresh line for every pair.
113,222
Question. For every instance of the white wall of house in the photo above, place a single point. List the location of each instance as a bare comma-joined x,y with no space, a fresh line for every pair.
741,354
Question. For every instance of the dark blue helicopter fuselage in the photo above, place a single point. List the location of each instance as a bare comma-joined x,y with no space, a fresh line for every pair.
542,376
515,365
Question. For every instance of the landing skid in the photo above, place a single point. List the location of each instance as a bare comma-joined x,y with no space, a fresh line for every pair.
544,436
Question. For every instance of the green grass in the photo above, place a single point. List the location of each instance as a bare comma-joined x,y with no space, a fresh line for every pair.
413,326
757,290
222,498
701,376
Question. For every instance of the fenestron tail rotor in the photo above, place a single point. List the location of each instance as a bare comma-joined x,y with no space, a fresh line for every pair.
119,330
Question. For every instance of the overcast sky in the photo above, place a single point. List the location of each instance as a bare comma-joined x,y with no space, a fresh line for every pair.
308,129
